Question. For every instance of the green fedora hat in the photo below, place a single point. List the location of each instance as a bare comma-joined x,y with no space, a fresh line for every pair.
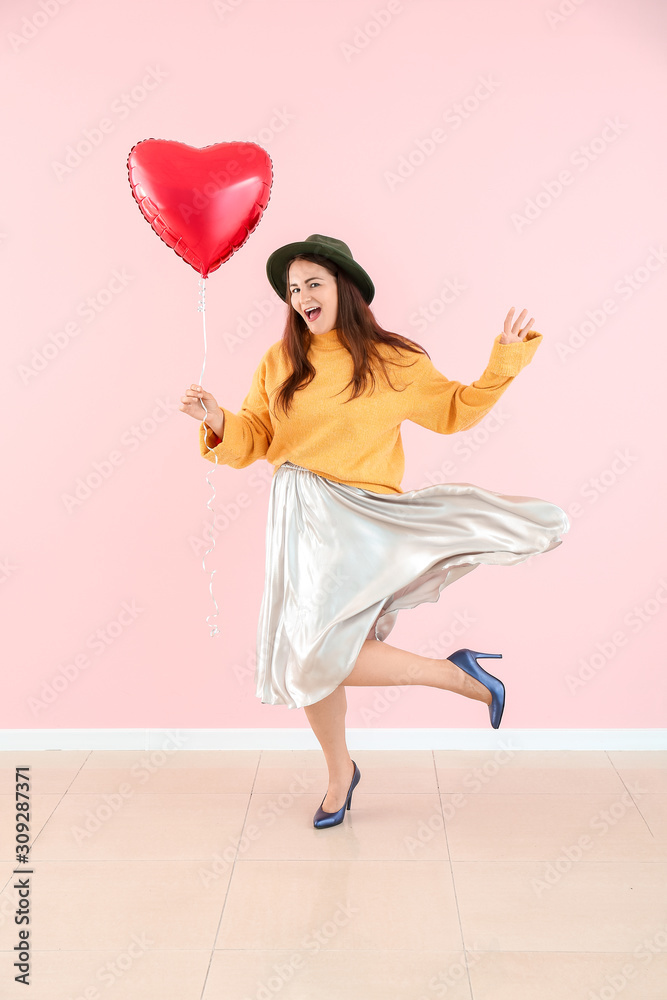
327,246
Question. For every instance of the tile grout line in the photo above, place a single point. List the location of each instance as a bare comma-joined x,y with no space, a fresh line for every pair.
41,831
636,804
451,875
231,876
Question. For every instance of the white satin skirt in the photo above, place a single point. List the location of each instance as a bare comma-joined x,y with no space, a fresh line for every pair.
341,562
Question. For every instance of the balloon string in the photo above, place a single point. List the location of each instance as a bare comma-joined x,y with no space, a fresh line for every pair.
201,307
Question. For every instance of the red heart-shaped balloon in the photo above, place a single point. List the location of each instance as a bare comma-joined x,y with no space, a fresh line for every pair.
203,203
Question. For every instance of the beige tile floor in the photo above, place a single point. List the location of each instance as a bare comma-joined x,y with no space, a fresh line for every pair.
471,875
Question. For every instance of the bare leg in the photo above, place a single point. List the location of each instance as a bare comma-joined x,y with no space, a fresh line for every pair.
381,665
378,665
327,720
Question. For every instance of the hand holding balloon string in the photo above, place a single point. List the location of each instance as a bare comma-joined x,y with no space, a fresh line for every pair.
197,399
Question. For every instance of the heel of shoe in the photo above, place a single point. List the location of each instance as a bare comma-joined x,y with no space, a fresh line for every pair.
325,819
354,784
466,659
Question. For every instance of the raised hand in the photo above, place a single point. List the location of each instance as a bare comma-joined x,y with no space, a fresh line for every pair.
512,334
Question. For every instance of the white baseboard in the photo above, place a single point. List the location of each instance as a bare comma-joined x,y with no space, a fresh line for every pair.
357,739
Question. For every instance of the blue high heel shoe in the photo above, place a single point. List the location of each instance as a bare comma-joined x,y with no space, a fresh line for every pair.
324,819
466,660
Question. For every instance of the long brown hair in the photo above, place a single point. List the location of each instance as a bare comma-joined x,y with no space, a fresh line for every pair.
358,331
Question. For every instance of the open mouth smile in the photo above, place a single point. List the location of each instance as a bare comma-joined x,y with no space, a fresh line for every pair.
312,314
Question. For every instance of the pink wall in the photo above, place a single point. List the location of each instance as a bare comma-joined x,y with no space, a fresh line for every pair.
563,112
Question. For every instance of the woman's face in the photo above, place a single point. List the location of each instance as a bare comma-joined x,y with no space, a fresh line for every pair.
312,287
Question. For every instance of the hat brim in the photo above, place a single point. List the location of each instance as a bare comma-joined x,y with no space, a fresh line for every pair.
276,267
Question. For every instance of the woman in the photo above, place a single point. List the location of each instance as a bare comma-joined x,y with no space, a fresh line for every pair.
346,548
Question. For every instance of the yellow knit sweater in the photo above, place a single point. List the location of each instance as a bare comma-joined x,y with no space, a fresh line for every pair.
357,442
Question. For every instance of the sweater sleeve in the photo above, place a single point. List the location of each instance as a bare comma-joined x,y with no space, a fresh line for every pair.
246,435
446,407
